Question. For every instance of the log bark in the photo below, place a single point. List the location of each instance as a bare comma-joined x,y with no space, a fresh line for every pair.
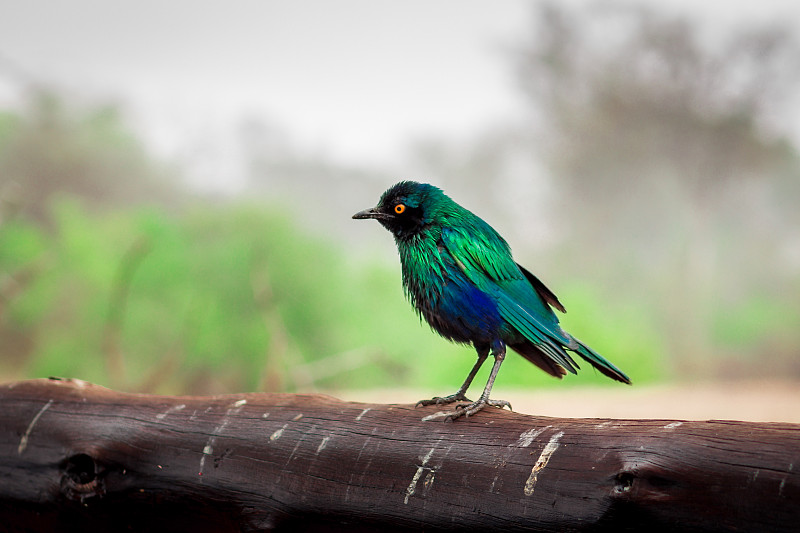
78,457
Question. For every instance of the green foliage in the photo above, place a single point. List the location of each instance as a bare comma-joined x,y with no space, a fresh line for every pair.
757,325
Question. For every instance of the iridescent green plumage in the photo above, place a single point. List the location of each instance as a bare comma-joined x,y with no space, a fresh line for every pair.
460,276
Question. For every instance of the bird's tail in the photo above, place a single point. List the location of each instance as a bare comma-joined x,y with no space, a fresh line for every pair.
599,362
532,353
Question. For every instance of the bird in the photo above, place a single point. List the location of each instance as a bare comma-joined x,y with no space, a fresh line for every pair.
461,278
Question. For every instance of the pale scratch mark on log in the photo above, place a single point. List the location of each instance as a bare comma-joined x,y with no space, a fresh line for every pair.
365,411
434,416
173,409
369,459
541,462
412,487
527,437
363,447
673,425
447,451
208,449
349,484
294,451
428,483
783,481
23,442
366,469
278,433
323,444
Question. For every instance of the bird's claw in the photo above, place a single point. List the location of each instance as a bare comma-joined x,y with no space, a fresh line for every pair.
439,400
473,407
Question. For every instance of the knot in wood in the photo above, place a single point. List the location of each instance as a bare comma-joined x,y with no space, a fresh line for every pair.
645,482
81,477
623,482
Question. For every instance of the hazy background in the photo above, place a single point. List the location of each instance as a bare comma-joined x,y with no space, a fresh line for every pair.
177,181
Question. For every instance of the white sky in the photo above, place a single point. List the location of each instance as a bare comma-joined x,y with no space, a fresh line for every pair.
355,79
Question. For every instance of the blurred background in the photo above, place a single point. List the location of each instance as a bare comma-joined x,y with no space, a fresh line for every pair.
177,181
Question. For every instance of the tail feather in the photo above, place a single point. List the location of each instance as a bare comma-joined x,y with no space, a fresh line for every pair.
534,354
599,362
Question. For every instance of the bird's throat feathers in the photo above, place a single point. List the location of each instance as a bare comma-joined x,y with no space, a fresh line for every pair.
422,266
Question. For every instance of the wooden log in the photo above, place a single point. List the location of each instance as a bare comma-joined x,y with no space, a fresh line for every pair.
78,457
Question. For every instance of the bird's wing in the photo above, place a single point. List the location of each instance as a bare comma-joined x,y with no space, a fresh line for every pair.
481,253
541,289
486,261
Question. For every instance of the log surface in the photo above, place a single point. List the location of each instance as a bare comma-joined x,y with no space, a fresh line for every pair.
79,457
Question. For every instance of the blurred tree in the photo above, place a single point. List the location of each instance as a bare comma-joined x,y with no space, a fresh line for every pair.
51,148
667,154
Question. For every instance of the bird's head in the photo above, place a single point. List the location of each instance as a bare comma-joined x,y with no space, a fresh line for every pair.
405,208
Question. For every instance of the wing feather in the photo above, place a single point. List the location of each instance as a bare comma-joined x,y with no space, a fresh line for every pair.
487,263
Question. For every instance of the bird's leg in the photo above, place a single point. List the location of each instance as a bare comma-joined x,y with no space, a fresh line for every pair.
460,395
499,353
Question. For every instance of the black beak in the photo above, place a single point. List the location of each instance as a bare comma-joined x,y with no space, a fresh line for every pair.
370,213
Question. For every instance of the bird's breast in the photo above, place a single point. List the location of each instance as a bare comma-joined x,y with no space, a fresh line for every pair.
449,302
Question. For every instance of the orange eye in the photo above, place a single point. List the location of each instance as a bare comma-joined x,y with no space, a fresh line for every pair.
399,209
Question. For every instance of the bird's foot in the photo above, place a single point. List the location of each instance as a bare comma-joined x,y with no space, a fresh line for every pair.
439,400
467,409
474,407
